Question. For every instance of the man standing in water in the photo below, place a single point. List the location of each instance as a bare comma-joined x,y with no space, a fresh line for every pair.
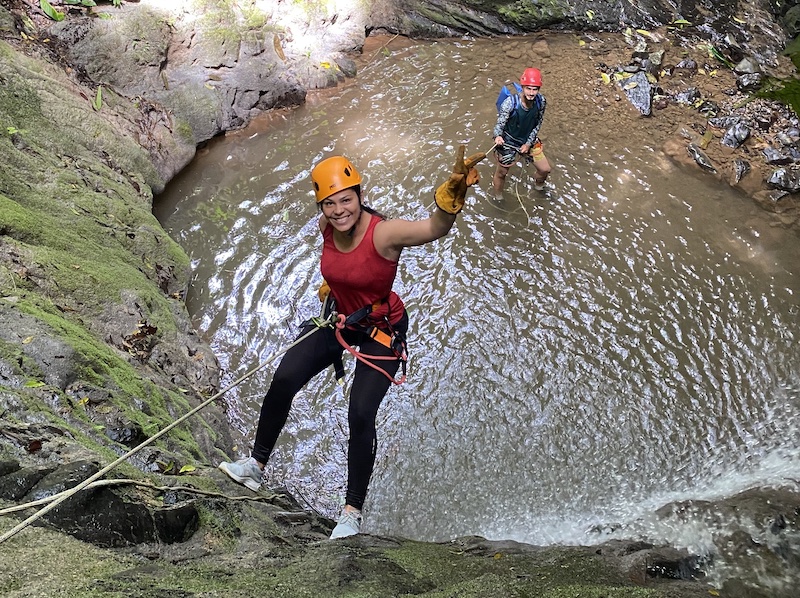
517,131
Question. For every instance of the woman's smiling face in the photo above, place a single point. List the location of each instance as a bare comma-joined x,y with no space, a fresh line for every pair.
342,209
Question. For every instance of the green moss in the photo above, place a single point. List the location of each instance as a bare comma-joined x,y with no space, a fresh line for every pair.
549,574
67,248
184,131
22,365
102,366
524,13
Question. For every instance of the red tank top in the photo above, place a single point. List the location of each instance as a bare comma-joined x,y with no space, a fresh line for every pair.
361,277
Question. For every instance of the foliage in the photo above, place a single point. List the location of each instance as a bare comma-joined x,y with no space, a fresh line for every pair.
51,12
792,50
97,103
786,92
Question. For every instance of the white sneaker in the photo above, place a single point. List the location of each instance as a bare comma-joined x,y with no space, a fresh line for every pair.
349,525
245,471
539,186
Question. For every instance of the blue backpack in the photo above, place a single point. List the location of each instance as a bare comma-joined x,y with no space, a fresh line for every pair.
512,89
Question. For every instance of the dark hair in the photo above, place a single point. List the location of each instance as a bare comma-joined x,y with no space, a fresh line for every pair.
366,208
374,212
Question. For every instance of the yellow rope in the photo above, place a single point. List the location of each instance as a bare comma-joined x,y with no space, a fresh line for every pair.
141,484
62,496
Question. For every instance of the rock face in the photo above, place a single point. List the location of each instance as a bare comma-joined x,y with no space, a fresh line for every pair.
97,352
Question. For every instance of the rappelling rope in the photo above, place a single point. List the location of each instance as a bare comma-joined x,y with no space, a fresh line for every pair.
365,358
72,491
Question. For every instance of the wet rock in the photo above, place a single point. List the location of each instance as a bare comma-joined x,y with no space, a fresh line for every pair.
788,137
62,479
736,135
686,68
347,65
128,433
747,66
675,564
16,484
700,157
8,466
708,108
757,529
740,170
724,122
639,92
688,97
750,82
776,157
785,180
733,48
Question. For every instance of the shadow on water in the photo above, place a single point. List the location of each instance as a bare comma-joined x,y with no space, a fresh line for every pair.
579,356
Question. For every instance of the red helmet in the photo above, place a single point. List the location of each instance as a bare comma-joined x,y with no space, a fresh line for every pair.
332,175
531,77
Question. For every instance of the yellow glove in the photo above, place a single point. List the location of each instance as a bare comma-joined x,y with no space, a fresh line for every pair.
451,194
324,291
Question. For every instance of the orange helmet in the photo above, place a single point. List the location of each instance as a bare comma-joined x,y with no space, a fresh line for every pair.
332,175
531,77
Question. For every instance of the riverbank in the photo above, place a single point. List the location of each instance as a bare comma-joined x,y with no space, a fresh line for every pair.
97,353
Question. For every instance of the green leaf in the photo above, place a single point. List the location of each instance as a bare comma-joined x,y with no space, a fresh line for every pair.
714,53
792,50
34,384
786,92
51,12
97,103
187,469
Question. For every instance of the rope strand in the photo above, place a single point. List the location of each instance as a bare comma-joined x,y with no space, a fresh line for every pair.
72,491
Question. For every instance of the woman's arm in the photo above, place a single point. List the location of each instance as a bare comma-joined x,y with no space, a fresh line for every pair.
392,235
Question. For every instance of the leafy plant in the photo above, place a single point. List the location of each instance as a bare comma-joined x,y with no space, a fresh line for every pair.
86,3
97,103
51,12
793,51
786,92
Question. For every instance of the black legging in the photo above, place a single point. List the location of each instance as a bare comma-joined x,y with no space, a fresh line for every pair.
305,360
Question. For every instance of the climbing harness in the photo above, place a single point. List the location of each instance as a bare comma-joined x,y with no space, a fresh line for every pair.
394,341
74,490
384,334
